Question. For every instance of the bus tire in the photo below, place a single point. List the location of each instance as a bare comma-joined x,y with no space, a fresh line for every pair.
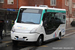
39,41
59,36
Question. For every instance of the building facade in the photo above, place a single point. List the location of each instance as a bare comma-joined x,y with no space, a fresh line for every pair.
69,5
15,4
8,4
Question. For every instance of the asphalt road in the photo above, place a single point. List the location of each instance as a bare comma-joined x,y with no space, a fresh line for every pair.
66,43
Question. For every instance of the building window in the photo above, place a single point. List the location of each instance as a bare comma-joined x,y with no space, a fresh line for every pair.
10,1
66,2
73,5
73,13
53,2
1,1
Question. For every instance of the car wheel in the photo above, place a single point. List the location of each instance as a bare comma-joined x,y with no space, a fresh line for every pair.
39,41
59,36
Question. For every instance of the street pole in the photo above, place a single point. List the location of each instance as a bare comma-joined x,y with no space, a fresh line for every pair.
70,9
17,4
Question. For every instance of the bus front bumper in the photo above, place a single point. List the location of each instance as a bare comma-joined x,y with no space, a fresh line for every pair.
24,37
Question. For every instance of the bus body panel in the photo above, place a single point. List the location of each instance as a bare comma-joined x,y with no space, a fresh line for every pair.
56,32
24,30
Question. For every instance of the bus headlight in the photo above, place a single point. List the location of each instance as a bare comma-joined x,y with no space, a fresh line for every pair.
33,30
13,30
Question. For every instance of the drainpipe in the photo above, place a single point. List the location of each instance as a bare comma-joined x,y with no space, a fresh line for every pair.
70,10
70,6
17,4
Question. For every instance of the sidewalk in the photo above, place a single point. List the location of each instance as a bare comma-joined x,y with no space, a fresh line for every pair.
7,38
6,41
69,27
70,30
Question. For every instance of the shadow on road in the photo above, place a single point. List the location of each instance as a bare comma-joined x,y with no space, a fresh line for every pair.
25,46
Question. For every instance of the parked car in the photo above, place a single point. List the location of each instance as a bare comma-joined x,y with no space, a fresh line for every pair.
73,23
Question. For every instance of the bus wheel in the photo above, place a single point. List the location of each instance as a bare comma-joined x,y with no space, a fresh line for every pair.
59,36
39,41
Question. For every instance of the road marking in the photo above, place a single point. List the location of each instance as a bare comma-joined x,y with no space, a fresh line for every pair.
43,46
6,41
58,40
27,48
66,37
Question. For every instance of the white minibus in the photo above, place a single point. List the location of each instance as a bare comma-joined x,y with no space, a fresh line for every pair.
38,24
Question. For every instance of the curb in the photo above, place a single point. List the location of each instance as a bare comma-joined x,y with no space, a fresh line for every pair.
70,28
70,34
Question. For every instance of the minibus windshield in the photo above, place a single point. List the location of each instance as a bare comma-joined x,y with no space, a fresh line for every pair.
30,16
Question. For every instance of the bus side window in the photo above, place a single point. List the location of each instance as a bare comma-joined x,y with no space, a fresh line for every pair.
64,17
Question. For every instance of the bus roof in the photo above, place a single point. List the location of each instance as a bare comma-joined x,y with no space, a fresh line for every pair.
42,8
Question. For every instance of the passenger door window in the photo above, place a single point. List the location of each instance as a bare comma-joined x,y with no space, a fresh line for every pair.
51,21
48,22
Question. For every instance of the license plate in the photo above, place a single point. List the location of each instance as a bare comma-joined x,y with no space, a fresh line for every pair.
20,39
